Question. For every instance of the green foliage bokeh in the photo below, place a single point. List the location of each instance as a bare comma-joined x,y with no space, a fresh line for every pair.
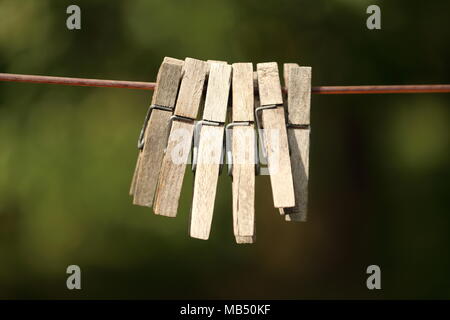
378,169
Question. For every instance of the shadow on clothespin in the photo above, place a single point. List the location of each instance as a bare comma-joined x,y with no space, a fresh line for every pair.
298,82
153,136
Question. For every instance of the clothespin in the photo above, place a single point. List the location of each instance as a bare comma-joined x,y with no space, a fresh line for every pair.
274,134
210,149
198,125
180,138
241,151
298,82
153,137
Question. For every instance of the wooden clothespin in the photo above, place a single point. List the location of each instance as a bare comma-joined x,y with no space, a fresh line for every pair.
180,138
298,82
275,134
241,151
153,137
210,150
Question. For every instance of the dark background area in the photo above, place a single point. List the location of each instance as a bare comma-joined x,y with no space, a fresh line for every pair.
379,164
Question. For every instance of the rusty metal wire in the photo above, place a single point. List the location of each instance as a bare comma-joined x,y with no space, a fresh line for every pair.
433,88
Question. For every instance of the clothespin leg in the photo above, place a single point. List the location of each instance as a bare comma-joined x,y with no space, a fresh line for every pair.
298,82
133,181
243,184
206,178
173,168
299,145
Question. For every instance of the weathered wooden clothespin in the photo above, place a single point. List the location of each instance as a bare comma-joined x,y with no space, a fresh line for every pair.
241,151
275,134
153,137
180,138
298,83
210,150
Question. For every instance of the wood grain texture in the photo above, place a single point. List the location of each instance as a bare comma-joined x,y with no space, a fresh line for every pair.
244,240
287,67
210,62
151,157
155,138
180,138
243,153
167,82
217,93
135,173
275,135
279,163
173,169
243,186
299,145
298,82
206,177
210,150
243,92
269,85
191,88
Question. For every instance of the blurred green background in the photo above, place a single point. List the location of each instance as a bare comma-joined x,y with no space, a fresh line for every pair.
379,166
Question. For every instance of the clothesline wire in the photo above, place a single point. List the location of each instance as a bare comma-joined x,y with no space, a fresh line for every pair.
378,89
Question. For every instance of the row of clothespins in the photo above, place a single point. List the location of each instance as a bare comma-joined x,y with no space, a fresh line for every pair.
170,127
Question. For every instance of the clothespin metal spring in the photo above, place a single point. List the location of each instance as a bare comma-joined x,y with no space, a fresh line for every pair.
260,128
198,127
229,152
140,143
